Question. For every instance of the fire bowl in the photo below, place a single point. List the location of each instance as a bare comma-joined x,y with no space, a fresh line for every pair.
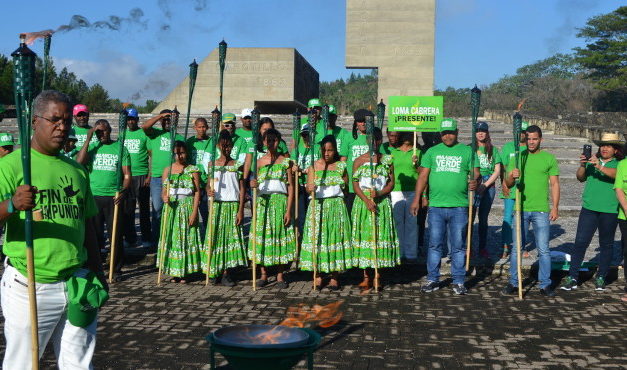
239,345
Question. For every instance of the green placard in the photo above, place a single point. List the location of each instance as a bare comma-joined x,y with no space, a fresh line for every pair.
415,113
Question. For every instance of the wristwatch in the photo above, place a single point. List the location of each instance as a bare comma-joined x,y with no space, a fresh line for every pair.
10,207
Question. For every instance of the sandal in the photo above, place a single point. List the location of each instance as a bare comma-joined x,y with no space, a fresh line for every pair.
261,283
174,280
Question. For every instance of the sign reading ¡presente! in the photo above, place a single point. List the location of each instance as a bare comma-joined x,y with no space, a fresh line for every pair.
415,113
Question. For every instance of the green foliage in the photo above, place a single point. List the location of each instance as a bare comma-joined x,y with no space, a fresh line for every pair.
358,91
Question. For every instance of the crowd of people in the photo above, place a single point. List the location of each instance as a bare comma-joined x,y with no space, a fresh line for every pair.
340,199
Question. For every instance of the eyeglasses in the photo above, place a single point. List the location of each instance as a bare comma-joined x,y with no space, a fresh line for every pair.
58,122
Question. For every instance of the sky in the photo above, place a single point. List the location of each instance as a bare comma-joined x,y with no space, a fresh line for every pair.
145,51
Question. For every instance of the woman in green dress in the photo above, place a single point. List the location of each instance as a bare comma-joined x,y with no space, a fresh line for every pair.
373,208
225,238
274,238
180,246
329,230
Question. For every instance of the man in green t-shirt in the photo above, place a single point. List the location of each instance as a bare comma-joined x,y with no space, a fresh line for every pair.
81,117
69,148
599,210
102,159
449,171
136,142
620,186
6,144
246,131
507,155
400,146
160,158
356,145
65,244
199,146
538,174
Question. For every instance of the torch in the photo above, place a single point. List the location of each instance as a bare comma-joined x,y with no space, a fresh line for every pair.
193,72
325,120
475,101
222,57
380,114
253,170
120,180
23,84
47,40
174,122
296,137
215,117
517,123
314,242
371,150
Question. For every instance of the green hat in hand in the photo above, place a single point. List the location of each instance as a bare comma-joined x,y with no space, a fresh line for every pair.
6,139
315,102
448,124
86,295
332,110
524,125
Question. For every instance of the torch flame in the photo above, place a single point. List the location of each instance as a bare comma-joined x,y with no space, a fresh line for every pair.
520,105
31,37
324,316
125,105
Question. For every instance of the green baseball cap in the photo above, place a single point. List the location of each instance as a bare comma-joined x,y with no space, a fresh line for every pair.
228,117
332,110
86,295
315,102
6,139
524,125
448,124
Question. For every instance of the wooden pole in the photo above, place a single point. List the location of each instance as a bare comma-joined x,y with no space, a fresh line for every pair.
162,241
518,242
254,235
34,328
210,231
314,233
296,229
114,236
471,201
374,244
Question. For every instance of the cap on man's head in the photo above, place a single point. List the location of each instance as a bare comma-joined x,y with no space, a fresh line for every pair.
524,125
332,110
448,124
315,102
228,117
6,139
483,126
360,115
79,108
132,113
246,112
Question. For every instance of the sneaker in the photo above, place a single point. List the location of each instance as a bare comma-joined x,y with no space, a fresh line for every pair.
459,289
505,251
430,286
599,284
526,254
282,284
509,289
547,292
227,281
570,284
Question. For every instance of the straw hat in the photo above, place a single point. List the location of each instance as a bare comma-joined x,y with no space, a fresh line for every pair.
609,138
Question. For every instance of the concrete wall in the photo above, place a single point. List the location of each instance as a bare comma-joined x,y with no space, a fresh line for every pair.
398,38
275,79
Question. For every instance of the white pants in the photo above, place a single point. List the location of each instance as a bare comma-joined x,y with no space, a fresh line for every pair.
406,223
73,346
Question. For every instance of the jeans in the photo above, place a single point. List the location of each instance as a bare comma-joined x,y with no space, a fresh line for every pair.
105,216
541,226
452,221
587,225
157,205
508,221
73,346
406,223
203,210
483,204
138,195
622,224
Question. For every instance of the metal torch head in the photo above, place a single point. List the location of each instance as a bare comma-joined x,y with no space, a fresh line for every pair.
193,72
122,118
475,100
296,123
24,68
325,114
174,123
47,41
370,132
255,115
380,114
222,53
517,127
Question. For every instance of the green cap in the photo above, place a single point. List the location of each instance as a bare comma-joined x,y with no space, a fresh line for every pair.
227,117
315,102
86,295
448,124
524,125
332,110
6,139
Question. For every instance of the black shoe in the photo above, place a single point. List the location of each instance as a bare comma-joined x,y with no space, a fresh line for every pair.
334,288
282,284
261,283
509,289
599,284
547,292
459,289
430,286
569,284
226,281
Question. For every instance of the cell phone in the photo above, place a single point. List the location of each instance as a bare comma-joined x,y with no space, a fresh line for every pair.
587,151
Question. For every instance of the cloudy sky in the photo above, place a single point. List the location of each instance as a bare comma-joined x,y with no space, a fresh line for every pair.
141,49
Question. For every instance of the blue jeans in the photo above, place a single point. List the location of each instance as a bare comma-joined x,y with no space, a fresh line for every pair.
508,220
587,225
452,222
157,205
541,225
203,210
483,204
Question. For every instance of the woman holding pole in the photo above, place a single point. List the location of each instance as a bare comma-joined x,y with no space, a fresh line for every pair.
372,185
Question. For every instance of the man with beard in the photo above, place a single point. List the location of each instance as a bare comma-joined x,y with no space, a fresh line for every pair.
80,130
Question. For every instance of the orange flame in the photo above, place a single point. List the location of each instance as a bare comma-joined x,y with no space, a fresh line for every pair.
272,336
323,316
520,105
31,37
125,105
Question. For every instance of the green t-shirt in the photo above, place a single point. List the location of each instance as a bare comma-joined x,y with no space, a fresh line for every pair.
136,142
535,170
159,146
81,135
304,159
486,165
448,176
621,183
198,149
65,202
405,173
352,149
281,149
247,135
341,135
103,161
598,194
508,153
